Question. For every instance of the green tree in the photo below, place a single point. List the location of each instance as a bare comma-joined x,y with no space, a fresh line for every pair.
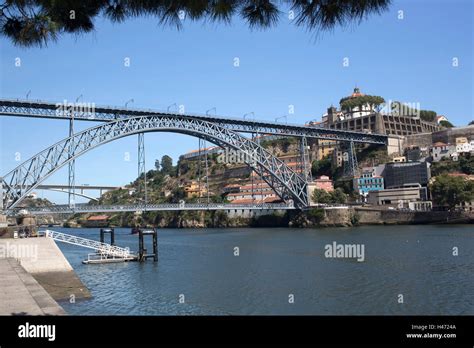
38,22
348,103
167,165
157,164
451,190
334,197
322,167
428,115
338,196
471,123
321,196
467,165
446,124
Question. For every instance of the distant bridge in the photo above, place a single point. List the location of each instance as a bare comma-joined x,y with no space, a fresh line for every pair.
81,188
89,208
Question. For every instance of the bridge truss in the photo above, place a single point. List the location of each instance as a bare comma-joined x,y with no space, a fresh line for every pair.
121,208
39,109
18,183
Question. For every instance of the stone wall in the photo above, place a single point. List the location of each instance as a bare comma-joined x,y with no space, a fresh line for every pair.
394,217
449,135
337,217
420,140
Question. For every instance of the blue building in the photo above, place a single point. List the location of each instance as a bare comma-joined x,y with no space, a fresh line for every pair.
367,182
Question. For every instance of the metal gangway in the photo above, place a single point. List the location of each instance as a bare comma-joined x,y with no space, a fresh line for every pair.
103,249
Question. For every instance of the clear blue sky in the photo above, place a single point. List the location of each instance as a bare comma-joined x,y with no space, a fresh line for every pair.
407,59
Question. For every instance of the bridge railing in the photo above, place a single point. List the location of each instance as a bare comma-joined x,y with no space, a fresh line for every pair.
80,208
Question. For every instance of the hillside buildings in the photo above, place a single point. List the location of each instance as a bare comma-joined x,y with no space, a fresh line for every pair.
368,181
365,117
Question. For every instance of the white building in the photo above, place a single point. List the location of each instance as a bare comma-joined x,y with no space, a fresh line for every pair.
465,147
440,118
358,111
441,150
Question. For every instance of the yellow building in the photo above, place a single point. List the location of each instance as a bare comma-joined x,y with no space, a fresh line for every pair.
325,148
193,189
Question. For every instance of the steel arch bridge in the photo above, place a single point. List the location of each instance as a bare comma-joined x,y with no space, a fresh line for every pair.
18,183
77,194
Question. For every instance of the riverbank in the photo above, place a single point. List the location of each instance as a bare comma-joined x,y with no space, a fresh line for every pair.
343,216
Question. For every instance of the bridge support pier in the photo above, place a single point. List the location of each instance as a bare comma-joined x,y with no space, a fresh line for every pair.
142,251
141,167
351,166
72,165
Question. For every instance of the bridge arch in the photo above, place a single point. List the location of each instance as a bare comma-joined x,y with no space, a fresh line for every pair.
18,183
77,194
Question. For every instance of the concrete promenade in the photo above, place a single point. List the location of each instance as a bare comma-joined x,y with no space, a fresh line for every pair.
43,260
20,293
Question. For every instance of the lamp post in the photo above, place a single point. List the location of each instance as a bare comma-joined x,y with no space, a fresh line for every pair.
169,106
249,113
215,111
129,101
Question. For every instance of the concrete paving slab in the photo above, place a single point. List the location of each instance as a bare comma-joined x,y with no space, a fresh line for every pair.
22,295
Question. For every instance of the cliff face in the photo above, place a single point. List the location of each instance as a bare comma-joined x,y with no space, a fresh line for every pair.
343,217
324,218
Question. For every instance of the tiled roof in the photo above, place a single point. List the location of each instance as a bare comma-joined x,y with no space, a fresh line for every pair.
97,218
439,144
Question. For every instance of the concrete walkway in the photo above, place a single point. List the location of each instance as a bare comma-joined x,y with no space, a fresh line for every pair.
43,259
20,293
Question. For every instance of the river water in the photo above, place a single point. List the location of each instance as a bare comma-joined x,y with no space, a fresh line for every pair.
276,266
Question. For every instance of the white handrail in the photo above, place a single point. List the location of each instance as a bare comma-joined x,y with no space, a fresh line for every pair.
102,248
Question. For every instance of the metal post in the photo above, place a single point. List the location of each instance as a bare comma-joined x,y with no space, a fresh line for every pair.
261,179
307,162
111,231
354,164
207,172
252,175
351,167
72,166
302,164
199,171
141,247
1,193
141,165
142,251
155,246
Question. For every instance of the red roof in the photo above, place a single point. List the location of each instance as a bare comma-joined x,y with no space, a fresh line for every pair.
257,201
439,144
97,218
357,93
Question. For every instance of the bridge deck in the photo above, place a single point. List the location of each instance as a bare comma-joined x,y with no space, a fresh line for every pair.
42,109
87,208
